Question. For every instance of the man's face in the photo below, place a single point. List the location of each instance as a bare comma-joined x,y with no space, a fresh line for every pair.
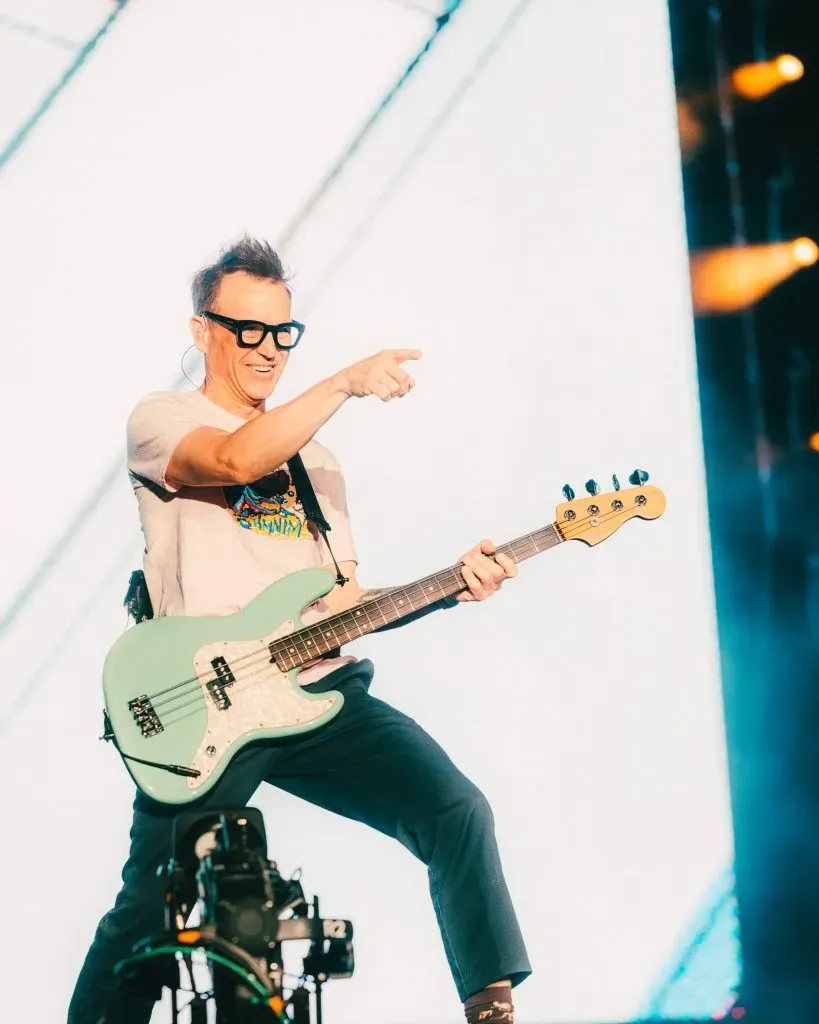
250,374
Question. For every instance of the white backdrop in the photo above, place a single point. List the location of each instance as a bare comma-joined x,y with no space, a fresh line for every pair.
517,215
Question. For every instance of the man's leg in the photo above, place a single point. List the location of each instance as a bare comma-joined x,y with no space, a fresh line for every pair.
139,908
376,765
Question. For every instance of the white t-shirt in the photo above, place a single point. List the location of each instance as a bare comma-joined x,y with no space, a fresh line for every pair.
211,550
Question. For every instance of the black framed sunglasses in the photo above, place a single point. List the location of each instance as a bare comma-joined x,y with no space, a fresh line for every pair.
251,333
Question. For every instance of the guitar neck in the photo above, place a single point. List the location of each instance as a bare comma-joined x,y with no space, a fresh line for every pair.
311,642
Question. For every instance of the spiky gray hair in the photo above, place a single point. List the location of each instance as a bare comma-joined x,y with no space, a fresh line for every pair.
250,255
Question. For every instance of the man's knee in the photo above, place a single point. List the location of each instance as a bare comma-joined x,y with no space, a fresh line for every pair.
471,807
459,814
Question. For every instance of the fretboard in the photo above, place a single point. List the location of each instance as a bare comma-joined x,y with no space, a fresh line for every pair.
313,641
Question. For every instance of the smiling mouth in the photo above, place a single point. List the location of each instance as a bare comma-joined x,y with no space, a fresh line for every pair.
261,369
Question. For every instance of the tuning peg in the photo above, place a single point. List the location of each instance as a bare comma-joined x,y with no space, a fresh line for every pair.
592,487
638,478
615,483
568,492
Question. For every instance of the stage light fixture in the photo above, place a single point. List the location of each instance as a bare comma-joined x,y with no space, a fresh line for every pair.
729,279
758,80
791,68
805,251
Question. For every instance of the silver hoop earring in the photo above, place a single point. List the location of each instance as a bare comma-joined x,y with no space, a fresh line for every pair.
184,371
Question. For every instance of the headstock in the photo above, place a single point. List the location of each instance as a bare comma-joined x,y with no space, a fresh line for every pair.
598,516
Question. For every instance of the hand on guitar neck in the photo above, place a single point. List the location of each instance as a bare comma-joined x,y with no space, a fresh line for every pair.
483,568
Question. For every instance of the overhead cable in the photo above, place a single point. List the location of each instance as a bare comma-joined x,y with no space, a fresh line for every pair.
28,126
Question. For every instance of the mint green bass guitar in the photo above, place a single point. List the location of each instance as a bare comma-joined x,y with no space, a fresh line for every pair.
183,695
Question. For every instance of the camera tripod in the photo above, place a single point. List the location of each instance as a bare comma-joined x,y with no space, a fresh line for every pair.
203,971
232,961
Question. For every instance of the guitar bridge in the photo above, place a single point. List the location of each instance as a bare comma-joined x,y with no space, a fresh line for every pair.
145,717
217,688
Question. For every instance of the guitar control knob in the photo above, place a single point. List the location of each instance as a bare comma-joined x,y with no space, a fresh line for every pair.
638,478
615,483
592,487
568,492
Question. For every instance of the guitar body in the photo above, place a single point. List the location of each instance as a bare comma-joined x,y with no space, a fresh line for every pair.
206,687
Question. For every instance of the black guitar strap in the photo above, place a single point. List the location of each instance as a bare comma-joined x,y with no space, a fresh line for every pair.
312,509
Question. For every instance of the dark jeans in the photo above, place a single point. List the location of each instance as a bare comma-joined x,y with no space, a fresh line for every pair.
370,763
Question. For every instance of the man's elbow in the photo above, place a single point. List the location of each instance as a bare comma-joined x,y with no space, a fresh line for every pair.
216,466
234,464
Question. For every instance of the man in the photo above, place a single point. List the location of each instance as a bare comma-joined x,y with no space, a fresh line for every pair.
222,521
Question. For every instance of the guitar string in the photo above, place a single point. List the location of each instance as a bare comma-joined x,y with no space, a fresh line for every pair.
255,660
318,630
198,699
320,627
259,658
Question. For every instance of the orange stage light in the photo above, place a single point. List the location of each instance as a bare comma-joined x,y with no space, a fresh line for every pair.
755,81
813,442
805,251
727,280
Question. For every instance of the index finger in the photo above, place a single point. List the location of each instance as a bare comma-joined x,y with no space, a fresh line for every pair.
401,354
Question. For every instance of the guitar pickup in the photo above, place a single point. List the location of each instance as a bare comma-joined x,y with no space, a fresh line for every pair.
217,687
145,717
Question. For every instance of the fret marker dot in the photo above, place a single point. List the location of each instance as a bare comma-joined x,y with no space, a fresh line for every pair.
327,634
358,613
292,649
401,601
309,642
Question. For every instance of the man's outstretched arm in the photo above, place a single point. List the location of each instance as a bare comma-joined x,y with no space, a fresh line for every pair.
209,457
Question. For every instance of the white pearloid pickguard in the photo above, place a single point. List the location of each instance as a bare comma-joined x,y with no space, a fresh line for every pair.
261,698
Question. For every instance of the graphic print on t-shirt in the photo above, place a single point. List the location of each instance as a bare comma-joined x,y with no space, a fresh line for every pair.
269,506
